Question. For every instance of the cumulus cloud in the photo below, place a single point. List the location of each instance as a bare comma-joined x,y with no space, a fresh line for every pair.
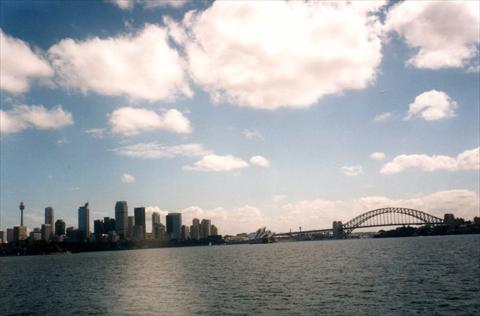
260,161
139,66
382,117
352,171
444,33
148,4
131,121
128,178
218,163
467,160
20,64
432,105
463,203
21,117
154,150
283,54
377,155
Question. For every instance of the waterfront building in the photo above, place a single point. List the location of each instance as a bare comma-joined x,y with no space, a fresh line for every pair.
2,237
159,232
205,228
121,219
109,225
140,223
138,232
49,215
130,224
155,220
195,229
72,234
174,224
59,227
46,232
9,234
84,222
19,233
98,228
185,233
214,230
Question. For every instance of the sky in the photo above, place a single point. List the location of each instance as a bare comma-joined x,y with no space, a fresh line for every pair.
278,114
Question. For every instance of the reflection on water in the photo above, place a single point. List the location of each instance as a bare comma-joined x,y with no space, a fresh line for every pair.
429,275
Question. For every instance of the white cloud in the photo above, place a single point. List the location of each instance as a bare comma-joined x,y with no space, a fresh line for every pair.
462,203
140,66
446,33
131,121
148,4
352,171
252,134
279,198
377,155
432,105
467,160
21,117
382,117
218,163
20,65
155,150
98,133
260,161
128,178
281,54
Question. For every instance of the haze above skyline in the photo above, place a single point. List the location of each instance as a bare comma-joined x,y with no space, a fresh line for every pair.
277,114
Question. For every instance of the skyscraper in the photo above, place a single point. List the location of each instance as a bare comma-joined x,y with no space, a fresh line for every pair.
213,230
84,222
121,219
46,232
174,224
185,233
195,229
130,224
205,228
140,223
49,215
59,227
19,233
155,220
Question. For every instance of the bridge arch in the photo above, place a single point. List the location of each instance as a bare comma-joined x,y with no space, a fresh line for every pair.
390,216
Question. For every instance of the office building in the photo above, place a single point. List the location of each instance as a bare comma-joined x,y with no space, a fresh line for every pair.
121,219
195,229
140,228
9,234
19,233
2,237
109,225
46,232
159,232
49,215
174,224
36,234
213,230
59,227
155,220
130,224
84,222
205,228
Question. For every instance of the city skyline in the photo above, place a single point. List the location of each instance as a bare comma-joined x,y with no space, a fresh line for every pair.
188,126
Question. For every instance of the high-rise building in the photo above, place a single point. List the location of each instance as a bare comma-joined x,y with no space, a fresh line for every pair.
159,232
84,222
108,224
213,230
46,232
174,224
130,224
121,219
49,215
195,229
140,229
19,233
36,234
205,228
185,233
155,220
59,227
2,237
9,234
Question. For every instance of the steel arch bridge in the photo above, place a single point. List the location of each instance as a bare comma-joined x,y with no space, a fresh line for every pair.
390,216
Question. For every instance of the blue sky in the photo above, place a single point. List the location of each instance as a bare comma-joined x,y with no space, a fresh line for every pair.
249,114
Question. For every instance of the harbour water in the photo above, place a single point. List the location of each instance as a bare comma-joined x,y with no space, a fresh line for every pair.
400,276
